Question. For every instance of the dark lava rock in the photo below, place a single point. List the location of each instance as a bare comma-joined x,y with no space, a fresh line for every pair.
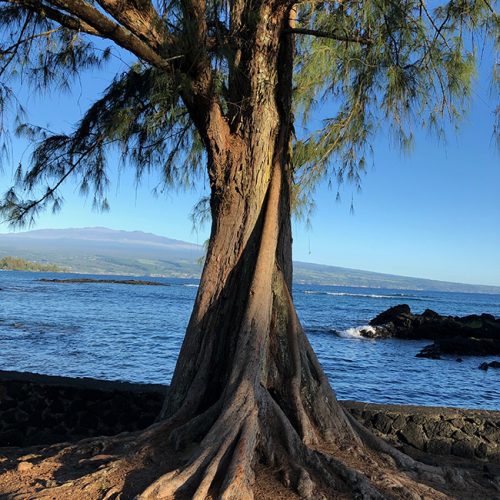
429,351
472,335
462,346
486,366
114,282
430,314
393,313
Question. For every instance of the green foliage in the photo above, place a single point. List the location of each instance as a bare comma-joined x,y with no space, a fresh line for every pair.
40,53
397,63
140,114
17,264
413,69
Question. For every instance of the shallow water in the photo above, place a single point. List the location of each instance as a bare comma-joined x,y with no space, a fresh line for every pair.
134,333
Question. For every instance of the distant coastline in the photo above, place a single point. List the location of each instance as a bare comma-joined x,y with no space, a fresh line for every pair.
108,281
103,251
17,264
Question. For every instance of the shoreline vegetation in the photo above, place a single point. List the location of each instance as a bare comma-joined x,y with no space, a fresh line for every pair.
16,264
109,281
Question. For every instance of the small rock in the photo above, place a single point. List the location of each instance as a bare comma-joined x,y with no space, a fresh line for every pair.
439,446
430,314
429,351
24,466
462,448
382,423
391,314
47,483
443,429
486,366
399,422
413,434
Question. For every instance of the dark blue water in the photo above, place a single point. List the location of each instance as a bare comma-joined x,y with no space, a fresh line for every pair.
134,333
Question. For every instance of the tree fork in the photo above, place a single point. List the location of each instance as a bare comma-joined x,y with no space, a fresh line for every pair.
248,386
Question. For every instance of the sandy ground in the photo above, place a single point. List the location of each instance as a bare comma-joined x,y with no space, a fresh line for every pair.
112,469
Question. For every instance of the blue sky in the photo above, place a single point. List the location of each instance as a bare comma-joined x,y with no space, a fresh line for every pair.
433,213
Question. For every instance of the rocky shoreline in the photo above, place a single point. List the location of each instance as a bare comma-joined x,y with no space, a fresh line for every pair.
94,280
39,409
473,335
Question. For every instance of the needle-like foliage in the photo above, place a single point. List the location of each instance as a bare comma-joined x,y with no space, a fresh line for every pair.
413,68
405,64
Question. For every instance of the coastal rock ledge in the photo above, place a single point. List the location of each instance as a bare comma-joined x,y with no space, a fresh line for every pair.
473,335
40,409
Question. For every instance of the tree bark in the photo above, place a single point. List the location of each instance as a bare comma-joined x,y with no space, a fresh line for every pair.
247,385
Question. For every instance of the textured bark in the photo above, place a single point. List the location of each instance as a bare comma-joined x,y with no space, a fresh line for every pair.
248,387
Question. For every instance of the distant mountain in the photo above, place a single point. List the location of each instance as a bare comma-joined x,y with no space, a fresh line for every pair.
99,250
305,272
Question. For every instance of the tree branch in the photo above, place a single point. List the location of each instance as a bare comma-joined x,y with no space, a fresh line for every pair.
84,17
14,47
333,36
28,39
55,15
144,23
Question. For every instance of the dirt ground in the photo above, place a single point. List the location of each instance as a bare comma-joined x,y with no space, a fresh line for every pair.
113,469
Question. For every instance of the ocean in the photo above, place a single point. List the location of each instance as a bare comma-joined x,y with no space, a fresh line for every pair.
134,333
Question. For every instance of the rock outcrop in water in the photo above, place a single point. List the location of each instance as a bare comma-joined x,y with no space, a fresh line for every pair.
473,335
487,366
114,282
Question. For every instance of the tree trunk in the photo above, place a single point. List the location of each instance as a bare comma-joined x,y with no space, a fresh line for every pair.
248,387
246,373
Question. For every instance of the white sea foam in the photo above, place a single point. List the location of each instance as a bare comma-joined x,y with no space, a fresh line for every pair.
191,285
355,332
363,295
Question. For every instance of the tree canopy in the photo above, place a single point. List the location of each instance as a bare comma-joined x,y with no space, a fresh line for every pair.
218,83
405,64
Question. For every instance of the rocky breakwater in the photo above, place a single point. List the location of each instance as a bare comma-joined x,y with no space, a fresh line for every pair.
41,410
473,335
473,434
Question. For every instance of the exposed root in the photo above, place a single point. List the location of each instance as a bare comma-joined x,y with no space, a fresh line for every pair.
230,440
196,428
222,465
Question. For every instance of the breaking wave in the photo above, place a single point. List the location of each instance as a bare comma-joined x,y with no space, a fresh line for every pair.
355,332
365,295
